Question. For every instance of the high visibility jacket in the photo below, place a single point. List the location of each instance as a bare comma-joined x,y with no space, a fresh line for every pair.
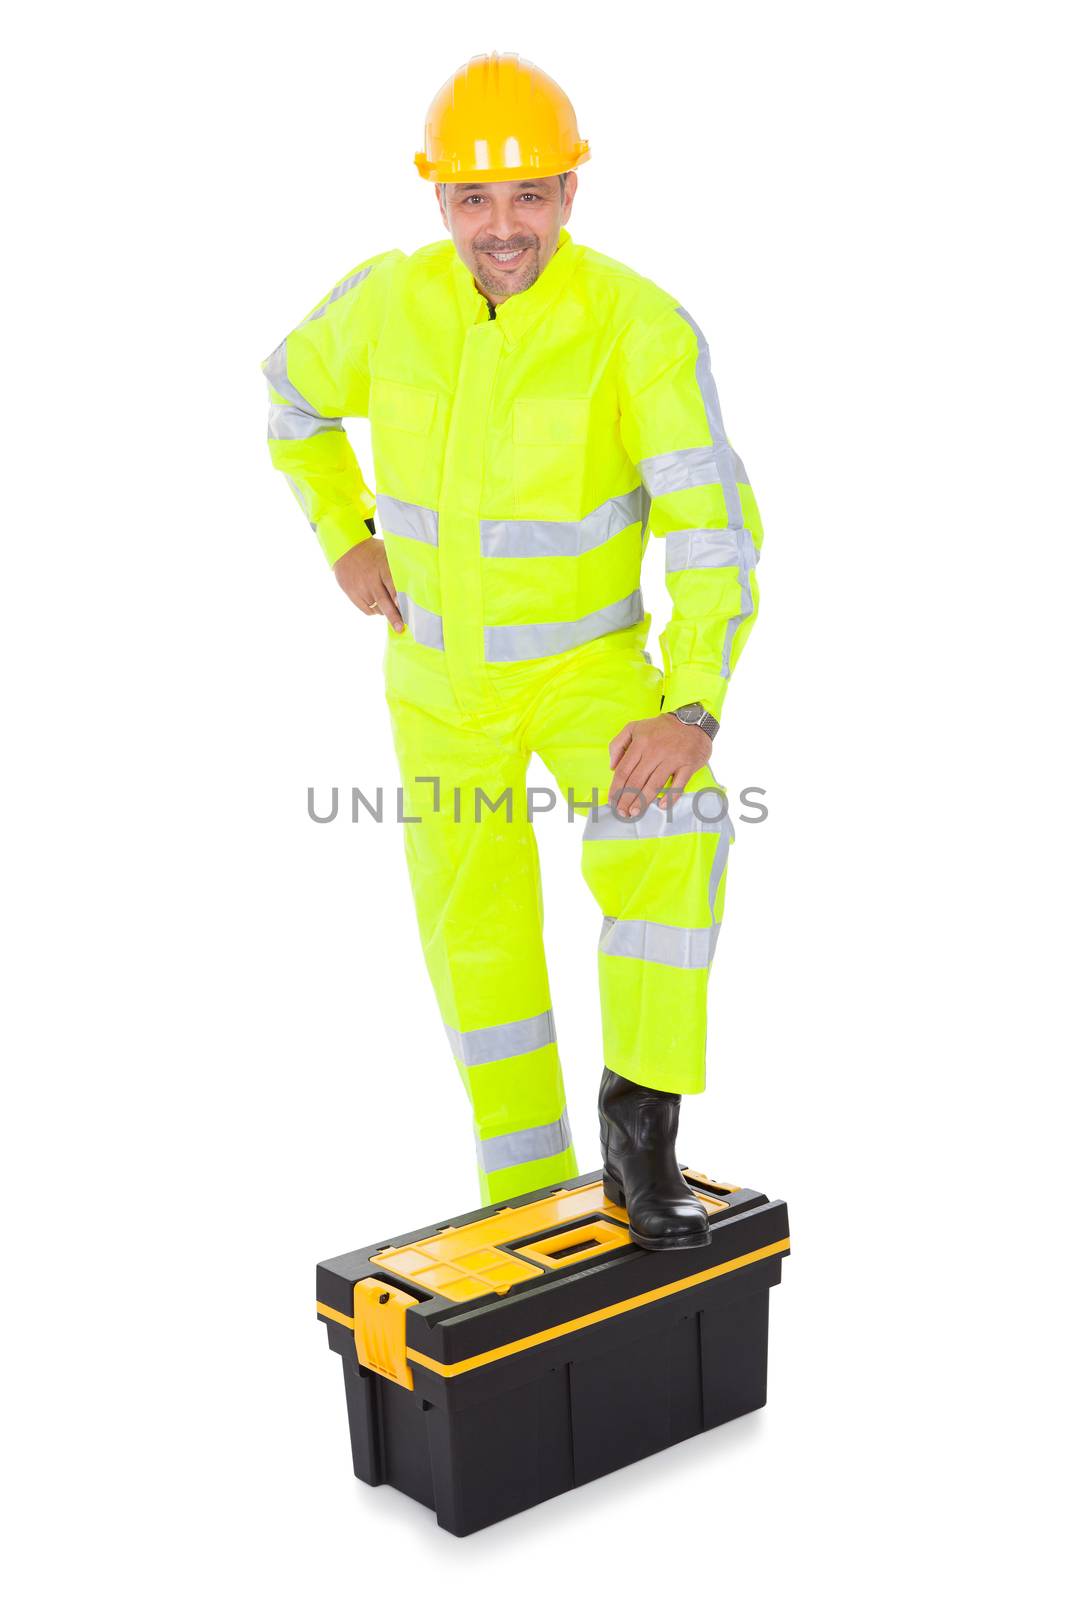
521,461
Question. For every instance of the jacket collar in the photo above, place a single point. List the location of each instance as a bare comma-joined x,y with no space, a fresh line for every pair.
520,311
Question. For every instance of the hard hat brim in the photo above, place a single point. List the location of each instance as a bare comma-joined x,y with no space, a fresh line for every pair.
442,172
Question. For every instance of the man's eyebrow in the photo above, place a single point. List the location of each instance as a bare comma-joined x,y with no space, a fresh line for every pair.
522,183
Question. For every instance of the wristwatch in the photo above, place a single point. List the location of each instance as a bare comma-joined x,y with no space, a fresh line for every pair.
696,716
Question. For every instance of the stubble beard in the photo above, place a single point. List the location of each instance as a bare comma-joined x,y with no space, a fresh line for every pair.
510,283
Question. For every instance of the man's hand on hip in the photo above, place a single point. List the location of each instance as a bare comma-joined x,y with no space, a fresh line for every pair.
648,755
364,575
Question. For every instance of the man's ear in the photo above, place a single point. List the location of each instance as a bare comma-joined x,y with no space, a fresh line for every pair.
439,190
569,190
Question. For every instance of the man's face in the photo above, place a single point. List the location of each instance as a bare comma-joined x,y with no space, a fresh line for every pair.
506,233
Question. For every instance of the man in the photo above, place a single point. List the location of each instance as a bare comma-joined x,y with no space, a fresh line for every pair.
537,410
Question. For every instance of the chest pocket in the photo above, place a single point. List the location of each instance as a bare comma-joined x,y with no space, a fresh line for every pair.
402,405
553,420
551,441
405,426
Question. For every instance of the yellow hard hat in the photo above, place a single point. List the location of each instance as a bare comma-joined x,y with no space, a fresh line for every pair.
496,119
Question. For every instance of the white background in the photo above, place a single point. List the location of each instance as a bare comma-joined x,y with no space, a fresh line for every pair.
224,1059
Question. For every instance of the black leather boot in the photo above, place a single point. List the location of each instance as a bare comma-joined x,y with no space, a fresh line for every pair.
638,1127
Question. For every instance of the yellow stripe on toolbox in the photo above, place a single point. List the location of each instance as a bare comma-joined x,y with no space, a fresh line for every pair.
454,1368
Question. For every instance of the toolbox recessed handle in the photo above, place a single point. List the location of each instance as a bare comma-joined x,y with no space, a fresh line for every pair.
577,1243
557,1250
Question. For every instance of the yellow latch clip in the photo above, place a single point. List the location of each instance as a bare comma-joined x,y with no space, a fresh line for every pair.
379,1313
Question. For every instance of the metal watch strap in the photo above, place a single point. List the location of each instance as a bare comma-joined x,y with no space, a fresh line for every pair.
703,720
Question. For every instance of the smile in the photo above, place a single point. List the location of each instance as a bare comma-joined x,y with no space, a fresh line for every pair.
505,255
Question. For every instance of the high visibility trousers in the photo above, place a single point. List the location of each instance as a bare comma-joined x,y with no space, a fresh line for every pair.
472,858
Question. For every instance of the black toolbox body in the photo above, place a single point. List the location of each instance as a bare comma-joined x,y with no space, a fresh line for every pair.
502,1357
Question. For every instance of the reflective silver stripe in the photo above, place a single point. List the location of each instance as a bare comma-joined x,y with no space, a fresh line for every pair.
710,547
529,641
336,293
696,811
426,626
731,474
532,1144
736,620
405,520
565,538
718,867
656,941
478,1046
287,422
680,469
297,417
276,368
725,459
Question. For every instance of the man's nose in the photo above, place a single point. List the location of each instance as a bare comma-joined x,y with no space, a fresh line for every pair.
505,224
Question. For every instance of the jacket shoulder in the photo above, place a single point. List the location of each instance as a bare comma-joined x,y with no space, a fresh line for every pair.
371,277
426,267
380,266
430,259
436,250
620,293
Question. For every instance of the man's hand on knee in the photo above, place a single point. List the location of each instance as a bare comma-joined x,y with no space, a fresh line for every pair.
648,755
364,575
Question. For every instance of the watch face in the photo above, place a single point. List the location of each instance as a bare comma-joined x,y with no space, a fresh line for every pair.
690,713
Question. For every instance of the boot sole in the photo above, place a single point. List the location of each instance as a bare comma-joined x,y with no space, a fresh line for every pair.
614,1193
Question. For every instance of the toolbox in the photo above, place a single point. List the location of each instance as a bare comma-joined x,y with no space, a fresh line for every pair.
504,1356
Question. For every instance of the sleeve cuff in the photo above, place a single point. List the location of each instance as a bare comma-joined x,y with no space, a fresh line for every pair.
341,530
683,685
